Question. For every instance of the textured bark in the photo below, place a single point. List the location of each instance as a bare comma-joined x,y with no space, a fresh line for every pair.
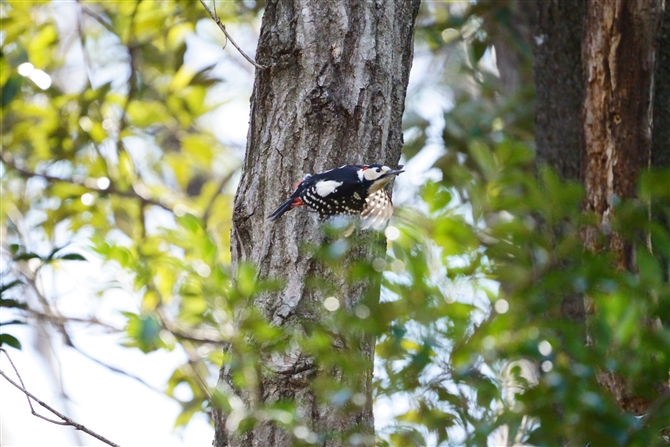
559,100
660,142
618,51
660,146
333,94
559,86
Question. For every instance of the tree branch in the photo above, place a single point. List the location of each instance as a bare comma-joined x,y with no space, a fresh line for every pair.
655,406
65,420
223,28
210,205
116,370
97,17
61,320
132,80
58,319
195,338
132,194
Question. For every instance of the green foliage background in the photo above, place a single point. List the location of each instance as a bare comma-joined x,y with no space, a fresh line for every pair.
470,328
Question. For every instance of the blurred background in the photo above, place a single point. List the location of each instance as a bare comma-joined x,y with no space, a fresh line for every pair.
124,127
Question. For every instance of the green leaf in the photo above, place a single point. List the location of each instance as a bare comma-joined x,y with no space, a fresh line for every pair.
407,437
478,49
11,303
654,184
482,154
10,340
143,332
436,196
72,257
38,46
53,253
246,280
27,256
10,89
7,323
145,113
10,285
199,148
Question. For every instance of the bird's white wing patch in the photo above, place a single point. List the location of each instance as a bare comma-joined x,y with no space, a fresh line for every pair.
325,187
378,210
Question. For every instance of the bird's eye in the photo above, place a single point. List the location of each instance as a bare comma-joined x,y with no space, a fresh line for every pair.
379,170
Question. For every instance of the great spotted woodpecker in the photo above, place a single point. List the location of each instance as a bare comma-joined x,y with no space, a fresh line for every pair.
349,190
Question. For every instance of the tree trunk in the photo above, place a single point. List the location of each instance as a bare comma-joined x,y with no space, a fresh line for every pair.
594,69
558,80
618,52
333,94
660,141
559,100
660,146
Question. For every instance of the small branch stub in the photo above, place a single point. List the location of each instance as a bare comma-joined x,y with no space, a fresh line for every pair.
223,28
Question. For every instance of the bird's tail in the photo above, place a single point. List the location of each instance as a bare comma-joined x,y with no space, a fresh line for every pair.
286,206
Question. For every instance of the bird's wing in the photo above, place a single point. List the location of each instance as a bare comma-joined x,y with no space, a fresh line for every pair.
378,210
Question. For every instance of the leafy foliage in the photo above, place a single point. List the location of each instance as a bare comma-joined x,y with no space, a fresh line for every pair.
10,303
108,154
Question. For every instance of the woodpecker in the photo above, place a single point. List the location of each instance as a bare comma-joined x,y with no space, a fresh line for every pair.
349,190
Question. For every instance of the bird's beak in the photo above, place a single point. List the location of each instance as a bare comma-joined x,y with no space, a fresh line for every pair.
392,172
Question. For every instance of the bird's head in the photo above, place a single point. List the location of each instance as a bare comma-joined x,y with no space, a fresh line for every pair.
376,176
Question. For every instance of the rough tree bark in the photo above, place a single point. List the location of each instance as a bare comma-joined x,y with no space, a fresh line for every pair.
559,100
660,141
333,94
594,68
558,80
660,146
619,50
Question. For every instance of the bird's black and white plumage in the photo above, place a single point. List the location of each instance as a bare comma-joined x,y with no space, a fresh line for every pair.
348,190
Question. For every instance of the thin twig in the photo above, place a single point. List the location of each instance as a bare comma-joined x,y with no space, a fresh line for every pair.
59,319
194,361
65,420
42,298
196,339
82,41
193,357
98,18
133,194
217,193
193,337
117,370
132,79
30,404
223,28
655,406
